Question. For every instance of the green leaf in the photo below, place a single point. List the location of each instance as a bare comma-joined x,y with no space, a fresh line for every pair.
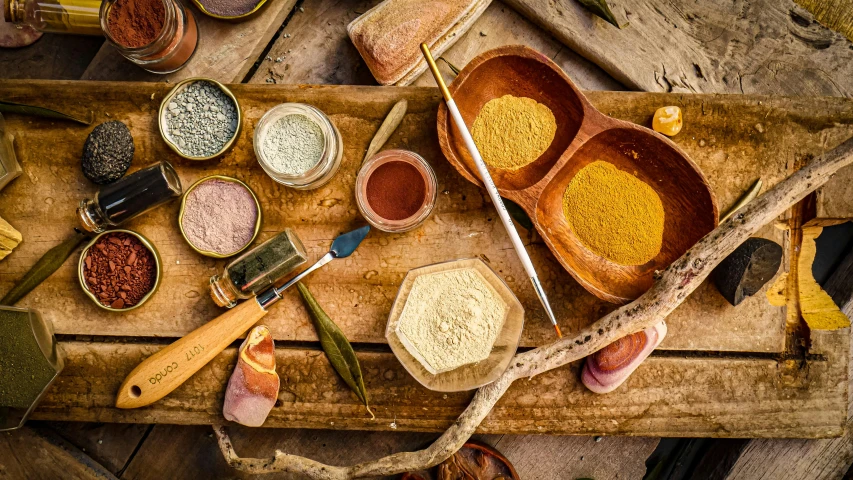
43,268
10,107
337,347
518,214
600,8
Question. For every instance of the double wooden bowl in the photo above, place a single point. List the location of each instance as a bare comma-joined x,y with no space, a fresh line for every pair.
583,136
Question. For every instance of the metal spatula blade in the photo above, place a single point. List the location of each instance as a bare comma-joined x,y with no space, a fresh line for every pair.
344,245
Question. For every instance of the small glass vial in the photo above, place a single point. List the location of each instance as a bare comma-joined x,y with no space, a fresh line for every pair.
415,166
173,46
129,197
32,360
257,269
59,16
330,159
9,167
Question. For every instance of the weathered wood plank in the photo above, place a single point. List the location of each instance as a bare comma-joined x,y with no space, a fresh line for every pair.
577,457
54,56
30,453
226,51
314,47
835,14
666,396
744,46
189,452
720,135
110,444
500,25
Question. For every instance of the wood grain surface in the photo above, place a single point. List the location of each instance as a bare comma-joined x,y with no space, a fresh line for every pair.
742,46
314,47
358,292
716,396
39,453
226,51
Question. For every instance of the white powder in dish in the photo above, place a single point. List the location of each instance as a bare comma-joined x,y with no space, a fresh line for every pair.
451,319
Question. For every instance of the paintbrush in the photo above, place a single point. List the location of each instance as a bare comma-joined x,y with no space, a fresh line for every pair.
491,188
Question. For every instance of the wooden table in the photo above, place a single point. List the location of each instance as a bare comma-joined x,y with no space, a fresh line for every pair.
319,27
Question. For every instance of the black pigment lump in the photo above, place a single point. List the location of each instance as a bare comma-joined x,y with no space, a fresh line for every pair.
108,152
747,269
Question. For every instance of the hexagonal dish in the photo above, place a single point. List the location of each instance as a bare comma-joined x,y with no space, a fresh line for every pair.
474,375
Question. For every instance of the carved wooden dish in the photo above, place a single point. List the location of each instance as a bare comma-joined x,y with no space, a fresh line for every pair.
583,136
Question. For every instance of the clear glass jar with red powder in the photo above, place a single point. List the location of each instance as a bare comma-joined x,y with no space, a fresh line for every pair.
396,190
163,51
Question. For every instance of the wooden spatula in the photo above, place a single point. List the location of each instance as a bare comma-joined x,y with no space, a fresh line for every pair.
167,369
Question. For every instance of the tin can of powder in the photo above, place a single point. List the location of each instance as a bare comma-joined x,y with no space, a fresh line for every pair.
209,253
81,269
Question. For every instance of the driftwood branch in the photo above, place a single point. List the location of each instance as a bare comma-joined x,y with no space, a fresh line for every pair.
674,285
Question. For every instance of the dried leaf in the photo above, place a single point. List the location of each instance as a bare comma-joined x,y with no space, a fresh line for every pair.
23,109
337,347
600,8
44,267
518,214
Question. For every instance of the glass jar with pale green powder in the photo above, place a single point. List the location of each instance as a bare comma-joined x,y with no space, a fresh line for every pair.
298,146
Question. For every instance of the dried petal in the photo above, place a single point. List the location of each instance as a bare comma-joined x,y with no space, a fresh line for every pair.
609,367
253,387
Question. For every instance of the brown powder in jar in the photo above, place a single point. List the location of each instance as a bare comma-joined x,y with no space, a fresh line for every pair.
136,23
119,270
396,190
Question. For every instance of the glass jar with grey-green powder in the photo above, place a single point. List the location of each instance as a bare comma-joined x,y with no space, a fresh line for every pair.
298,146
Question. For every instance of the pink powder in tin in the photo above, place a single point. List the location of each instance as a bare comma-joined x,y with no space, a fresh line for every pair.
219,217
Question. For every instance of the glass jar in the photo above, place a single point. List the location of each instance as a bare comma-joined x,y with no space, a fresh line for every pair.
430,194
129,197
9,167
257,269
58,16
30,363
170,50
330,159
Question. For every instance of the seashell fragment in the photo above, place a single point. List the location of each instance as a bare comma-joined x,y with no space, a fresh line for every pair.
253,387
609,367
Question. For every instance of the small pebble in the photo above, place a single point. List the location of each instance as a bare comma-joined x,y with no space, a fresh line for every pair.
107,152
482,34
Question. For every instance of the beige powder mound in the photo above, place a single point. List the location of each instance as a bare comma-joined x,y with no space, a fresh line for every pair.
512,132
451,319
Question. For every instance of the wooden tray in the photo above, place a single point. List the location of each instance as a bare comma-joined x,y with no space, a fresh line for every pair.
720,372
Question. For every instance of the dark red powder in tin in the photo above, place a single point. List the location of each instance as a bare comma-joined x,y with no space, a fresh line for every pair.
396,190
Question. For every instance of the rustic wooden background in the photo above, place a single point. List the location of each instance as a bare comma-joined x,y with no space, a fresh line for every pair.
771,47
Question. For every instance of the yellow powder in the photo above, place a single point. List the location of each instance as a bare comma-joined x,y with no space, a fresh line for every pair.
512,132
614,214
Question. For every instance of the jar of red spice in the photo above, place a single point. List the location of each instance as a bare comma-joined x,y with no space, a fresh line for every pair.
158,35
396,190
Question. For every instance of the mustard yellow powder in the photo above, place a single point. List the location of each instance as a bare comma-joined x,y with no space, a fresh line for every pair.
512,132
614,214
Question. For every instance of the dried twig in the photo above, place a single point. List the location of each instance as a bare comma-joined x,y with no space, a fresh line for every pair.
673,286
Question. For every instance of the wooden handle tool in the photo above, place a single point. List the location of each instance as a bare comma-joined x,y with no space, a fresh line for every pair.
167,369
161,373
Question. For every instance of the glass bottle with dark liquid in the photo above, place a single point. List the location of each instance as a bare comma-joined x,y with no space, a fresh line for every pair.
129,197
